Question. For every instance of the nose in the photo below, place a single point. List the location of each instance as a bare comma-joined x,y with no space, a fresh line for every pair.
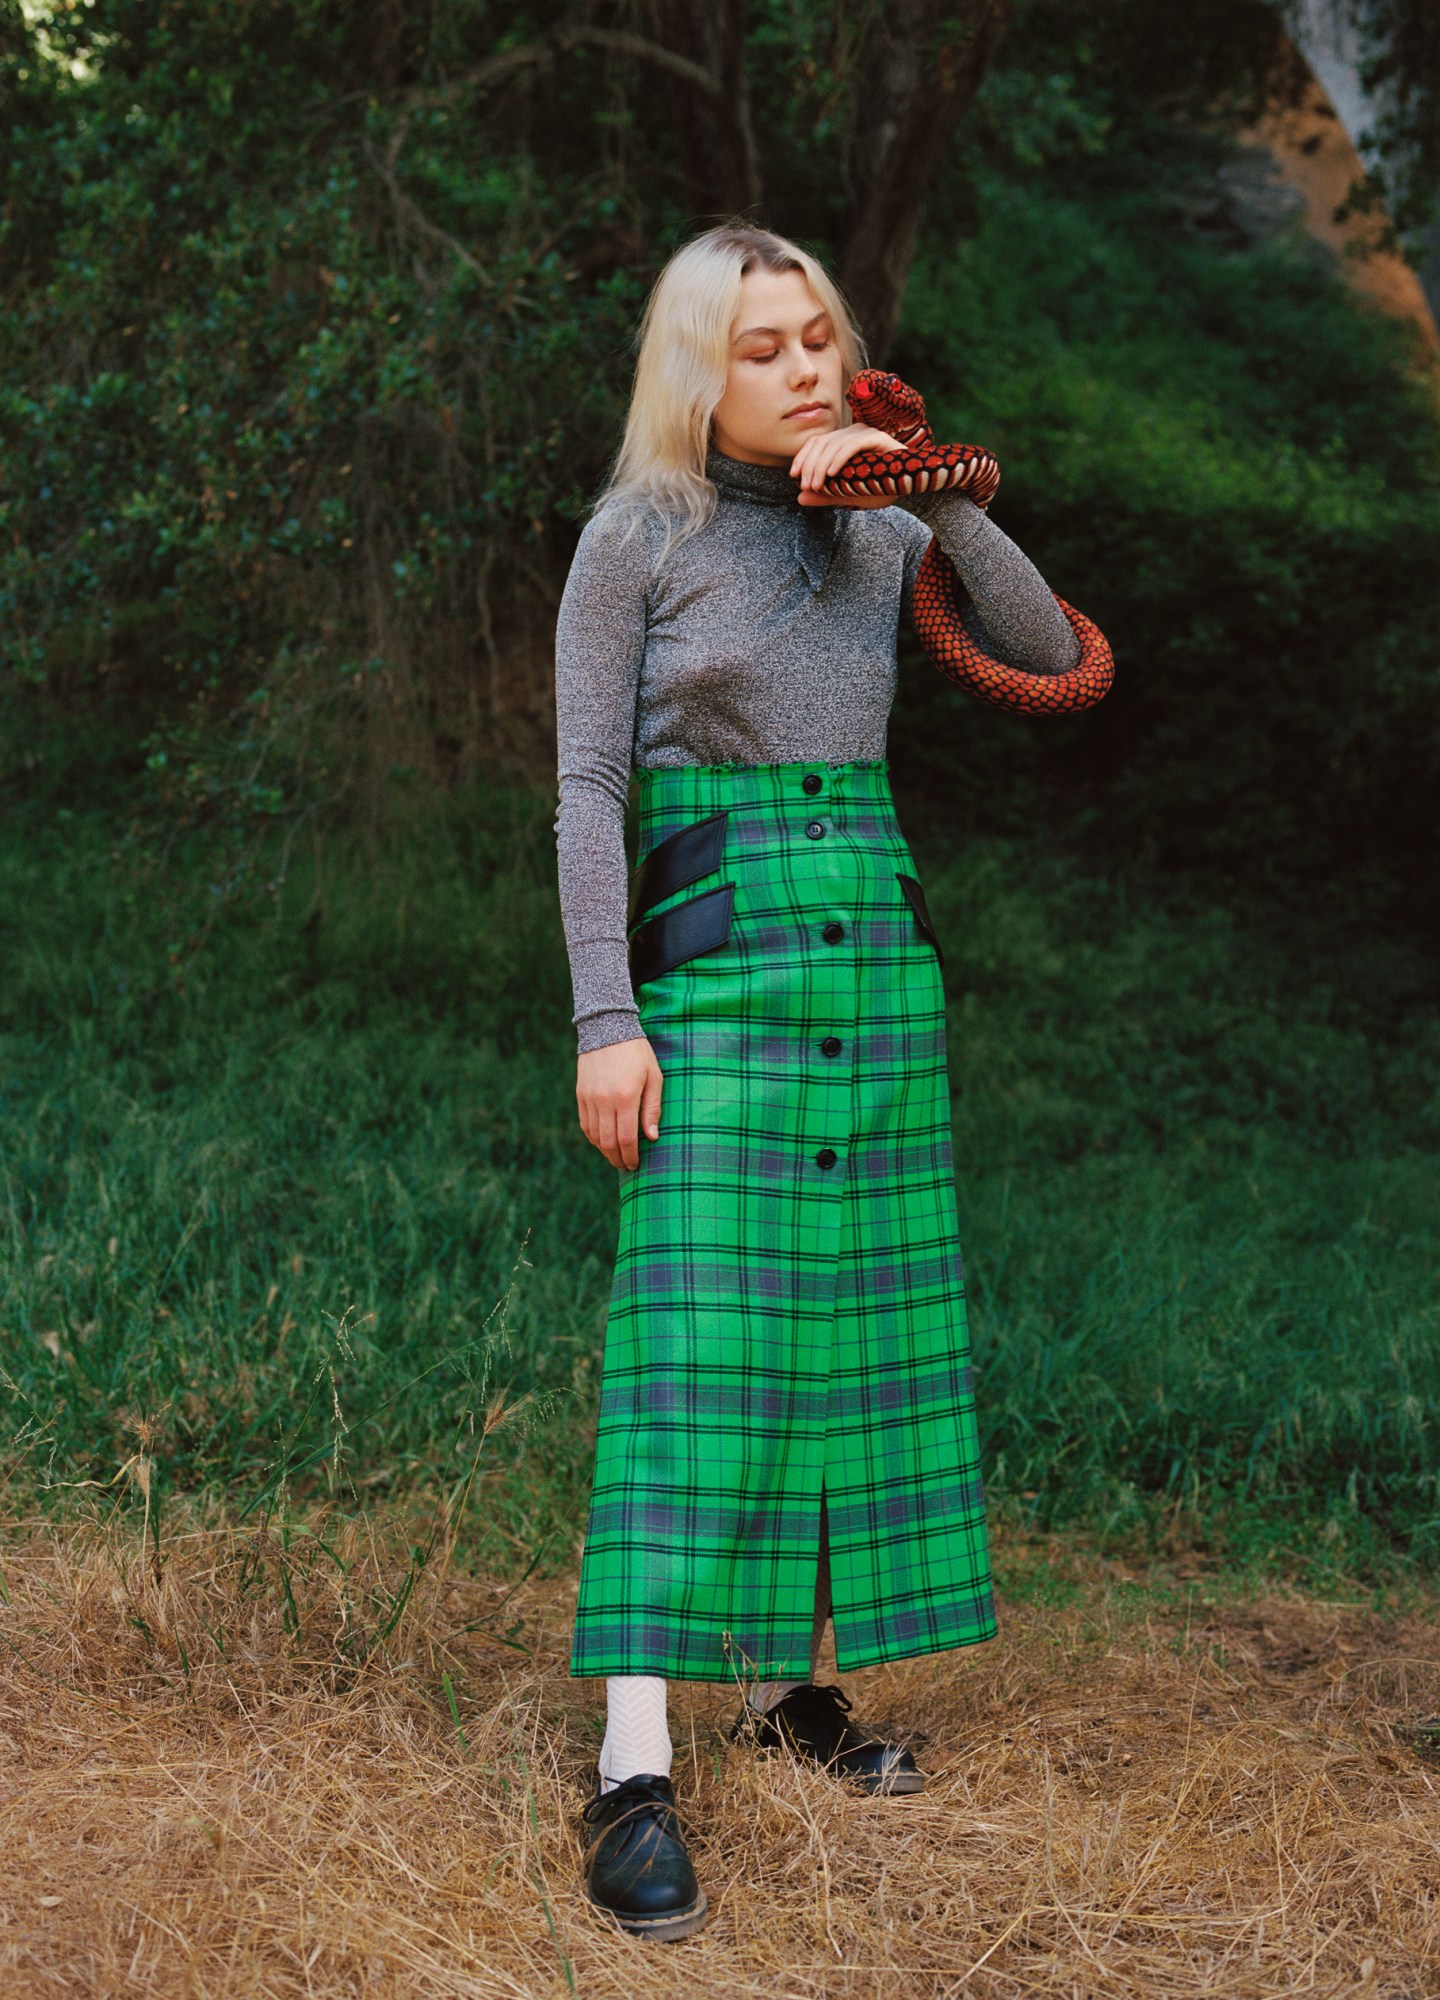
804,370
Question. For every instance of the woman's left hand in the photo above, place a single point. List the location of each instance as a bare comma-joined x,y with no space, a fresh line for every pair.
822,456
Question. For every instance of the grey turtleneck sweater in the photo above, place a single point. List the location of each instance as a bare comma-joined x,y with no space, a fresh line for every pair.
767,637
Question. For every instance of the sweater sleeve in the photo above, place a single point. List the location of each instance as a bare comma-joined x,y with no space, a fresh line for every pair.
599,645
1012,610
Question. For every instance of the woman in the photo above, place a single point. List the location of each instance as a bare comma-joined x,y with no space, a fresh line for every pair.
787,1431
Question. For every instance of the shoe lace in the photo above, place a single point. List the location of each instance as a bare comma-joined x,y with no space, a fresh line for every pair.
833,1694
820,1709
629,1799
820,1702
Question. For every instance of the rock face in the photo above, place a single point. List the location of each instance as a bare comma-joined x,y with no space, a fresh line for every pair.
1247,200
1326,37
1289,174
1306,149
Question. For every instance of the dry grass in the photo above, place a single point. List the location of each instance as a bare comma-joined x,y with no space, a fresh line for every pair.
212,1787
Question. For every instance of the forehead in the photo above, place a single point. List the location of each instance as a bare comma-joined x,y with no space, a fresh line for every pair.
779,299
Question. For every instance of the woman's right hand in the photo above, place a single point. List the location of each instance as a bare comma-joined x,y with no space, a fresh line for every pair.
618,1090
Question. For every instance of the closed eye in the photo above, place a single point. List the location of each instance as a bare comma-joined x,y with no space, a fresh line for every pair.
815,346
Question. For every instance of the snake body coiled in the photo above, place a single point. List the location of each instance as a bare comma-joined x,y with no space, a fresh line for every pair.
886,403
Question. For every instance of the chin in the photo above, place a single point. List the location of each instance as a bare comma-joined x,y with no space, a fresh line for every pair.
792,436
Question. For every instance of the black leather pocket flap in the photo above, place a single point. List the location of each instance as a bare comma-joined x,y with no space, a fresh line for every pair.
682,932
675,862
915,897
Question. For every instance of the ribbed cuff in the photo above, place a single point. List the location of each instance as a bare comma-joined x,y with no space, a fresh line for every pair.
603,1031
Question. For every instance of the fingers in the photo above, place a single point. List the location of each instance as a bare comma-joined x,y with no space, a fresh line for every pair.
620,1146
817,458
605,1130
616,1090
821,457
839,500
627,1137
650,1103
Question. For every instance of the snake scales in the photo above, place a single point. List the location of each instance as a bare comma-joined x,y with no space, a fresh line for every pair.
921,466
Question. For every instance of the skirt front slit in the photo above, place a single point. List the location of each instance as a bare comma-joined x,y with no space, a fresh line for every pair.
787,1317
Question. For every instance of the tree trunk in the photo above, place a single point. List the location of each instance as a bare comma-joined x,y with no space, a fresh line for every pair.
920,67
715,141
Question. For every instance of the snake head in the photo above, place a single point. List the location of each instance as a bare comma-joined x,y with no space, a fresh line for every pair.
887,404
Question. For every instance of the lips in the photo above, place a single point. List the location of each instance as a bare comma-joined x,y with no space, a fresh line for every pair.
807,410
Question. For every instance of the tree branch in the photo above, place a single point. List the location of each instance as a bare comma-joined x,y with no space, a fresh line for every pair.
721,93
528,55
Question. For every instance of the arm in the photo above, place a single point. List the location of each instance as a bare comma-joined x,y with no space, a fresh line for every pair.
1015,615
599,644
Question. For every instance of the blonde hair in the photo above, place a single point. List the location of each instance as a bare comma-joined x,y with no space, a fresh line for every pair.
684,356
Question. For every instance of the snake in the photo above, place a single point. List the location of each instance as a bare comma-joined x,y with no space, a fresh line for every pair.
887,404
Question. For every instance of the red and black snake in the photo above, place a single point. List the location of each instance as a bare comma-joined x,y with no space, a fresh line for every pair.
887,404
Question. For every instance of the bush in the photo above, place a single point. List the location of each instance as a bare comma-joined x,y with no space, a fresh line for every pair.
1222,458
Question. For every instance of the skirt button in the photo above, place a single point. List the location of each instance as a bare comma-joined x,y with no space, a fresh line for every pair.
830,1046
826,1157
833,933
810,782
814,830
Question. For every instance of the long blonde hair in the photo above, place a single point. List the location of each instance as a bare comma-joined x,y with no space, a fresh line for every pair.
681,368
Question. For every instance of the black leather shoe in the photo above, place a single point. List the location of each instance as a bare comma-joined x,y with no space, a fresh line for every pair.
636,1867
810,1722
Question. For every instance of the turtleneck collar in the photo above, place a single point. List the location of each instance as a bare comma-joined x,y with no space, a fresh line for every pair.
771,485
815,528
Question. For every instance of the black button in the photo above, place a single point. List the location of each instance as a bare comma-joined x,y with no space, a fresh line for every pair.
825,1157
814,830
830,1046
833,933
810,783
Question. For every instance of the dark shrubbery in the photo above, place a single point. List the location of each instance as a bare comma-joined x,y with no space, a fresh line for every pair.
305,369
315,342
1222,459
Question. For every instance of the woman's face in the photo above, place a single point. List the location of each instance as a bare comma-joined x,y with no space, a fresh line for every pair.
783,383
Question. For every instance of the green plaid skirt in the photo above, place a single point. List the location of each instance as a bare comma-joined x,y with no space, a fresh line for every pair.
787,1318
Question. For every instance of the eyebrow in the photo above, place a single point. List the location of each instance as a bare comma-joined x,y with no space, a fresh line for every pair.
775,331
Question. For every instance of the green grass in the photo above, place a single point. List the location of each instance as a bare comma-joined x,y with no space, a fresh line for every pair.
310,1207
289,1216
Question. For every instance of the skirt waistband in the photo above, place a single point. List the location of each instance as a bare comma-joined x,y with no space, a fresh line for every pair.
672,796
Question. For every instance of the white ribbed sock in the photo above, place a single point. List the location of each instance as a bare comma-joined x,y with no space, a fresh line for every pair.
636,1736
765,1694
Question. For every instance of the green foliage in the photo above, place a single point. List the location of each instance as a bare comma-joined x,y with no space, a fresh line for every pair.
1220,457
1399,42
315,322
294,354
1212,61
276,1205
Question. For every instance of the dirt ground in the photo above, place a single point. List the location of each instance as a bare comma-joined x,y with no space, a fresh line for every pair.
215,1780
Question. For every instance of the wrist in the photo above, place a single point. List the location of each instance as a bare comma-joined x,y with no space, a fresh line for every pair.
604,1031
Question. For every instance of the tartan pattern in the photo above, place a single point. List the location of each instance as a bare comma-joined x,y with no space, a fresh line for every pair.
779,1328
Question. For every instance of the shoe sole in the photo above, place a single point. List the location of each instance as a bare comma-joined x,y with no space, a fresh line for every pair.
666,1930
904,1784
